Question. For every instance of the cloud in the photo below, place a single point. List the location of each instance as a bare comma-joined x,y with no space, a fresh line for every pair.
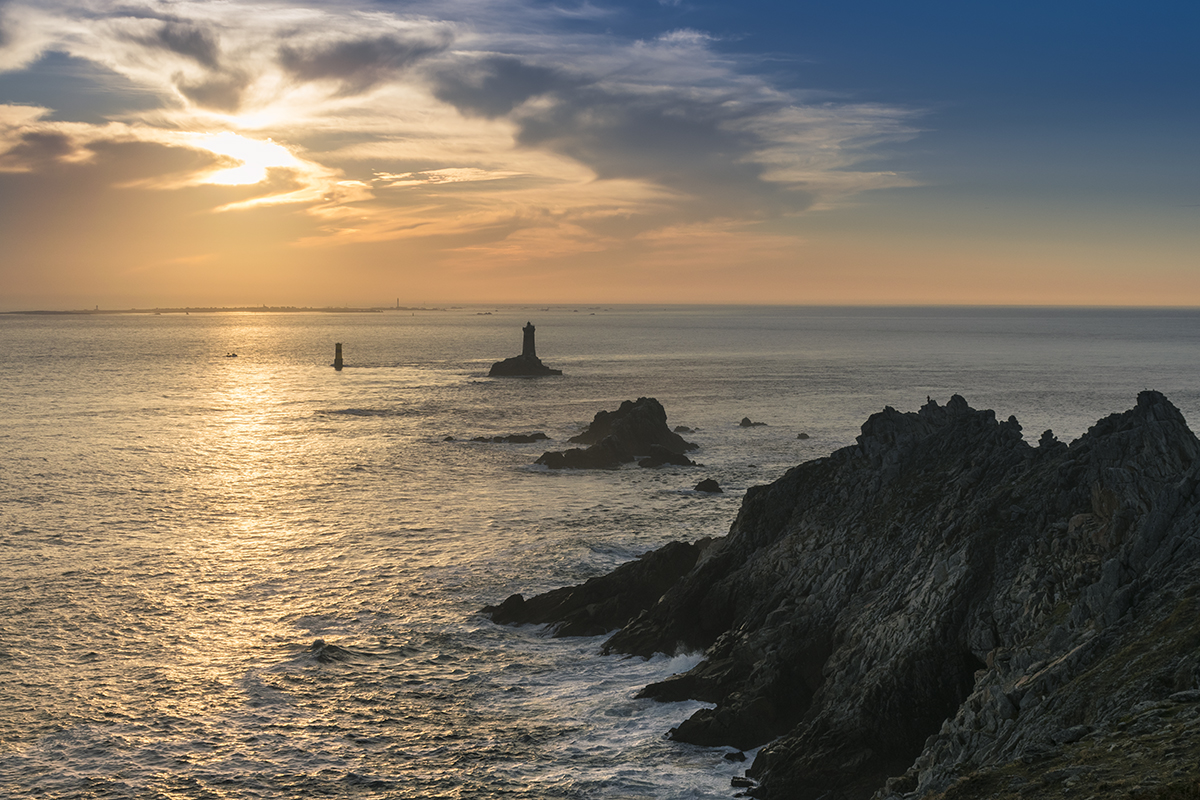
22,38
29,143
493,86
458,118
216,92
187,39
440,176
36,148
359,64
214,85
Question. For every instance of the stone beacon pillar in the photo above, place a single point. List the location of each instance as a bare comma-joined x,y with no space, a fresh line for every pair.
528,350
337,356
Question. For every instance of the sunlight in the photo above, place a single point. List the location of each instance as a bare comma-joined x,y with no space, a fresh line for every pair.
256,156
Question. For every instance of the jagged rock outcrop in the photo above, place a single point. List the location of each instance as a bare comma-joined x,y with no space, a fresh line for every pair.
944,610
636,428
604,603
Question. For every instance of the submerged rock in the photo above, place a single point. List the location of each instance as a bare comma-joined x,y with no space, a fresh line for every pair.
618,437
940,608
747,423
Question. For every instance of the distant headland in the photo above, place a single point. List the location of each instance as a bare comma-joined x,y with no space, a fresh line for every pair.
228,310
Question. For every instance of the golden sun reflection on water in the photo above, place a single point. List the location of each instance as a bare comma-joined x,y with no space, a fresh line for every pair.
240,536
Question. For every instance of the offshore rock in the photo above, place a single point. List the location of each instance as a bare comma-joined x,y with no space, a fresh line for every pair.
635,429
607,454
513,438
521,367
944,611
661,457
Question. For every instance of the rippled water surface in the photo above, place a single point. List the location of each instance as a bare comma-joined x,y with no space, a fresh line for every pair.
258,577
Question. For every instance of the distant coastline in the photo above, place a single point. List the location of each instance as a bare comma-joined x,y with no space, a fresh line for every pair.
224,310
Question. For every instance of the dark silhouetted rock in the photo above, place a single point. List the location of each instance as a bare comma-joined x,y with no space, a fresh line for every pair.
802,436
746,423
943,610
621,436
513,438
521,367
684,429
526,365
709,485
607,602
607,454
640,423
661,457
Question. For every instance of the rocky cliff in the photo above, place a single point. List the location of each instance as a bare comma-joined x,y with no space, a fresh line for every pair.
945,610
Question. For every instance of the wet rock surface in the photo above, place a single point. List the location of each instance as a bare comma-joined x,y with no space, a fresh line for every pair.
944,610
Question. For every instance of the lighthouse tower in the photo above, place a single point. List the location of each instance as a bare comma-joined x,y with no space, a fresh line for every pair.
528,350
527,364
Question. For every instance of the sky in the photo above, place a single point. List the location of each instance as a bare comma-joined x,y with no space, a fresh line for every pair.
357,153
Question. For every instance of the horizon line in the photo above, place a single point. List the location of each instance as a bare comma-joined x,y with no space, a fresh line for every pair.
562,306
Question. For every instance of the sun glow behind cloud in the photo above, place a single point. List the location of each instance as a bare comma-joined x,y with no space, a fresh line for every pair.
254,157
487,129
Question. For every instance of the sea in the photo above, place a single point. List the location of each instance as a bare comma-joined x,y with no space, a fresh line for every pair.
255,576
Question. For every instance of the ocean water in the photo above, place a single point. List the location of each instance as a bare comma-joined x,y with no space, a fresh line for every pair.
257,577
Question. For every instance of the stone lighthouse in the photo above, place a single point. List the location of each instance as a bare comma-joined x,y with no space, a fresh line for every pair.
526,365
528,350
